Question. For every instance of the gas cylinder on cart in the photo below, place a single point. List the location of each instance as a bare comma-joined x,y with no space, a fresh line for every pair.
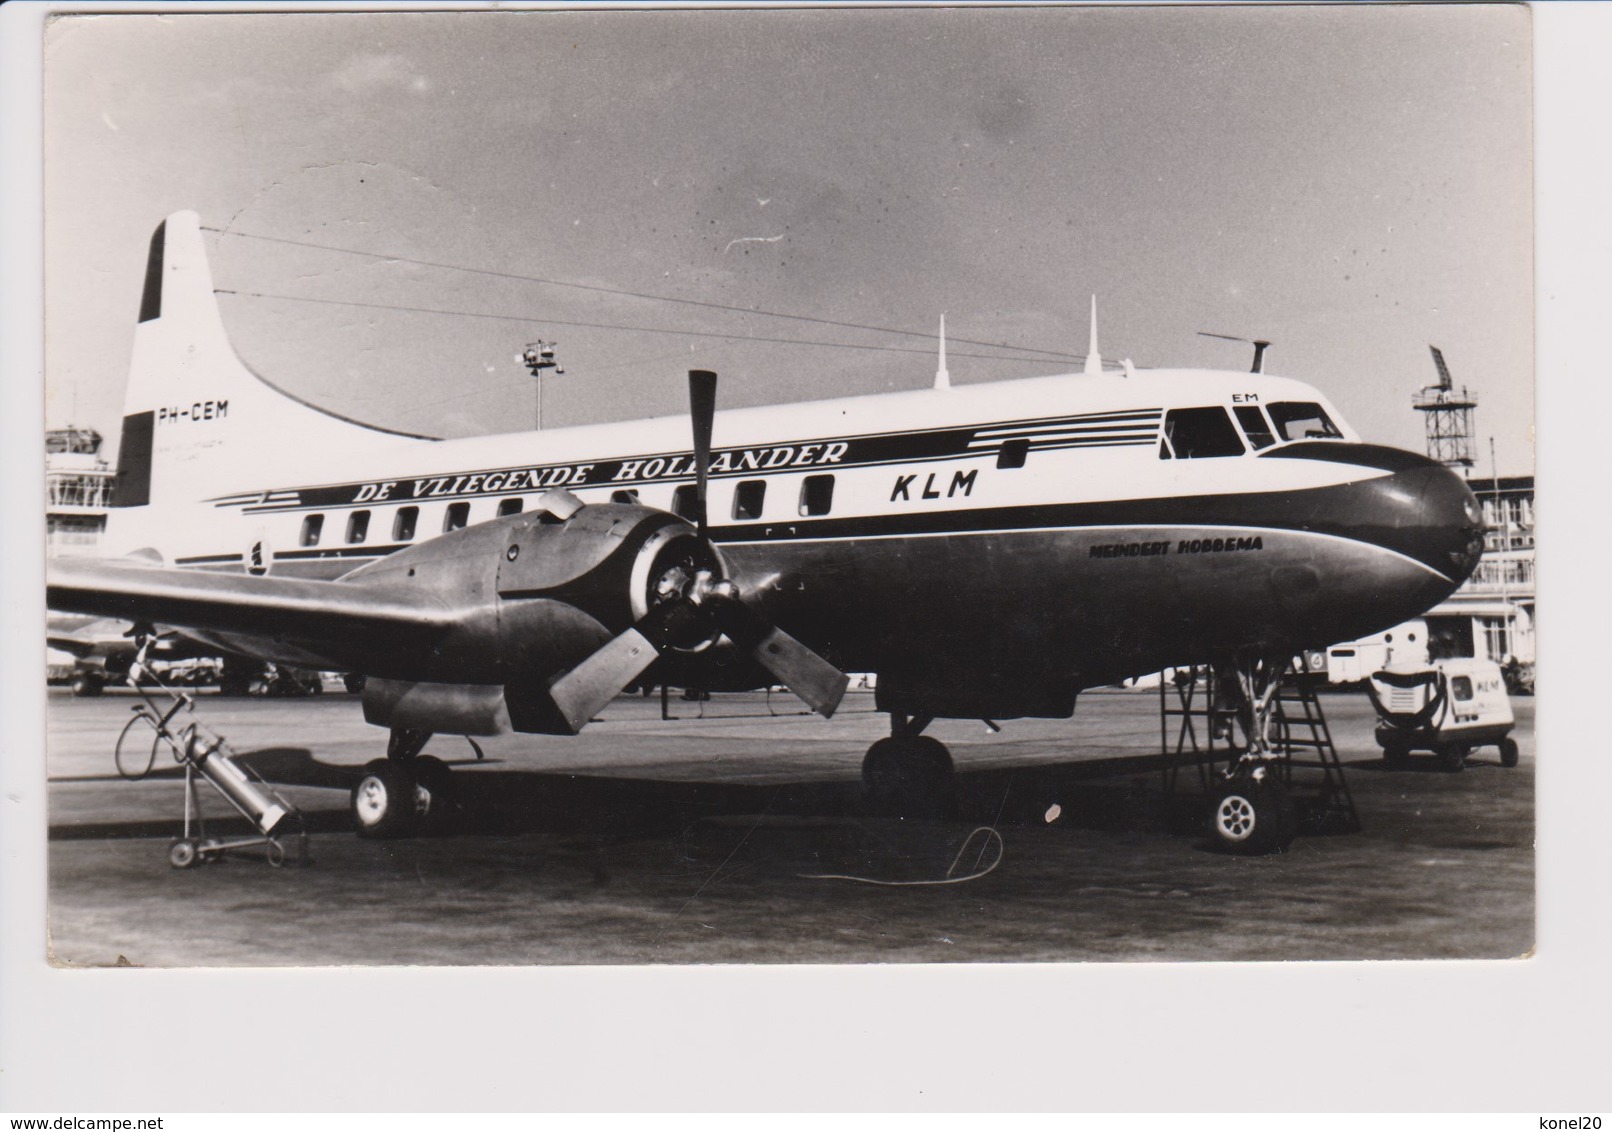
209,755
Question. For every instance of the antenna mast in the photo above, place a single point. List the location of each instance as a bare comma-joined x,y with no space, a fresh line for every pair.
1094,358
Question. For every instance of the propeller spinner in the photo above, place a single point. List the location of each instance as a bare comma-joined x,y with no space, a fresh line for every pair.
696,604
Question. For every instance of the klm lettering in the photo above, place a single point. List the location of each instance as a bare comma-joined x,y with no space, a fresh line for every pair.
905,487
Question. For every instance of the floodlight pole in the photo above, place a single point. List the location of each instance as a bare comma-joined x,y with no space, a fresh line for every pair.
537,357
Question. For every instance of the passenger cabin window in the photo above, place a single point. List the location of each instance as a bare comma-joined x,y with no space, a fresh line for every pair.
1461,687
1013,453
749,498
685,500
1303,420
457,517
358,526
1195,434
817,495
511,506
1254,426
311,526
403,524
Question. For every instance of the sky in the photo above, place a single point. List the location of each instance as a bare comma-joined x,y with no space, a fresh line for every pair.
1352,183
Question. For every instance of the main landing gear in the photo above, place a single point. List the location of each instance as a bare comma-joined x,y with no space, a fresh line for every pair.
909,774
406,792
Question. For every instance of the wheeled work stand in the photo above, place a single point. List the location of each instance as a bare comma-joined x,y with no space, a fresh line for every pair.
1205,718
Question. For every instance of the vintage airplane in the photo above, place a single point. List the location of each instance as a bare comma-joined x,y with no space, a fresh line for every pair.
988,550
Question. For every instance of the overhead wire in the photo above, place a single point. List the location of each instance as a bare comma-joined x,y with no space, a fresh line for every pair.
637,294
616,326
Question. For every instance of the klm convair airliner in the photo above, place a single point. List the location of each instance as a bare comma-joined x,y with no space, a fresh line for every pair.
989,551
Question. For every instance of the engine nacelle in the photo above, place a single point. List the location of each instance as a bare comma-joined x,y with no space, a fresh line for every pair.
539,593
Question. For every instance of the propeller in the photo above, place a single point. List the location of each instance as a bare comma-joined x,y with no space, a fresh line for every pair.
702,413
697,606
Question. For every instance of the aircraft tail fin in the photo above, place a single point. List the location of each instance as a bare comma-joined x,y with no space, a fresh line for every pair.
197,422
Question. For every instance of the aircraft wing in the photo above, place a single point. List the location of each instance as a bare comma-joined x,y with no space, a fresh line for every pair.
246,604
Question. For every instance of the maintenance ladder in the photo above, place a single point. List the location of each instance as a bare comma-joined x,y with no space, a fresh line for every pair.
1200,728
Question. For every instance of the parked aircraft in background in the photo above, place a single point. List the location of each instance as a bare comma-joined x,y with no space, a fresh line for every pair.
987,550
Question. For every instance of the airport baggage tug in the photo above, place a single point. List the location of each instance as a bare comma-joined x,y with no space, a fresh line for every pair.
1448,707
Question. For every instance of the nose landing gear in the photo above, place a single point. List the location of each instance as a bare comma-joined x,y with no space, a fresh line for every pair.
1262,721
1252,812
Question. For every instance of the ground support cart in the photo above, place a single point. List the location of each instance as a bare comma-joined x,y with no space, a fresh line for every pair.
205,755
1449,707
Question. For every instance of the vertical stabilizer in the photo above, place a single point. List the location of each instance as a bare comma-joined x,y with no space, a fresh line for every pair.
943,377
1094,358
197,422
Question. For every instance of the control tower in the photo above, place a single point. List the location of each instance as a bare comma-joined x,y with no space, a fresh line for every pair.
1447,412
78,491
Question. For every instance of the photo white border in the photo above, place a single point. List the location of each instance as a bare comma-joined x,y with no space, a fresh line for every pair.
1486,1036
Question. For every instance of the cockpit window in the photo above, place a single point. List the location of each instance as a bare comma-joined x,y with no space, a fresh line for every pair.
1253,422
1193,434
1303,420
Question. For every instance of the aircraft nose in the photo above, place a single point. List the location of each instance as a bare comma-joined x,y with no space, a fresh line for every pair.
1445,519
1421,509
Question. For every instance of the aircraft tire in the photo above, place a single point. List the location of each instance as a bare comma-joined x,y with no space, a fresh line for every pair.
1508,752
86,685
910,777
436,780
1452,756
1252,818
182,854
384,803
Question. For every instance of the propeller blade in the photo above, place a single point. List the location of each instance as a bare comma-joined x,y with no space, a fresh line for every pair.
585,690
702,412
813,680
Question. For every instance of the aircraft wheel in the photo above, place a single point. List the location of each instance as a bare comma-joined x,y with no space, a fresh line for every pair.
435,796
353,682
385,802
87,685
1508,752
1250,817
1452,756
1396,756
910,777
182,853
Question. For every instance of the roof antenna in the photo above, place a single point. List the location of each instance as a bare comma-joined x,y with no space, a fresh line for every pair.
1259,344
943,377
1094,359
